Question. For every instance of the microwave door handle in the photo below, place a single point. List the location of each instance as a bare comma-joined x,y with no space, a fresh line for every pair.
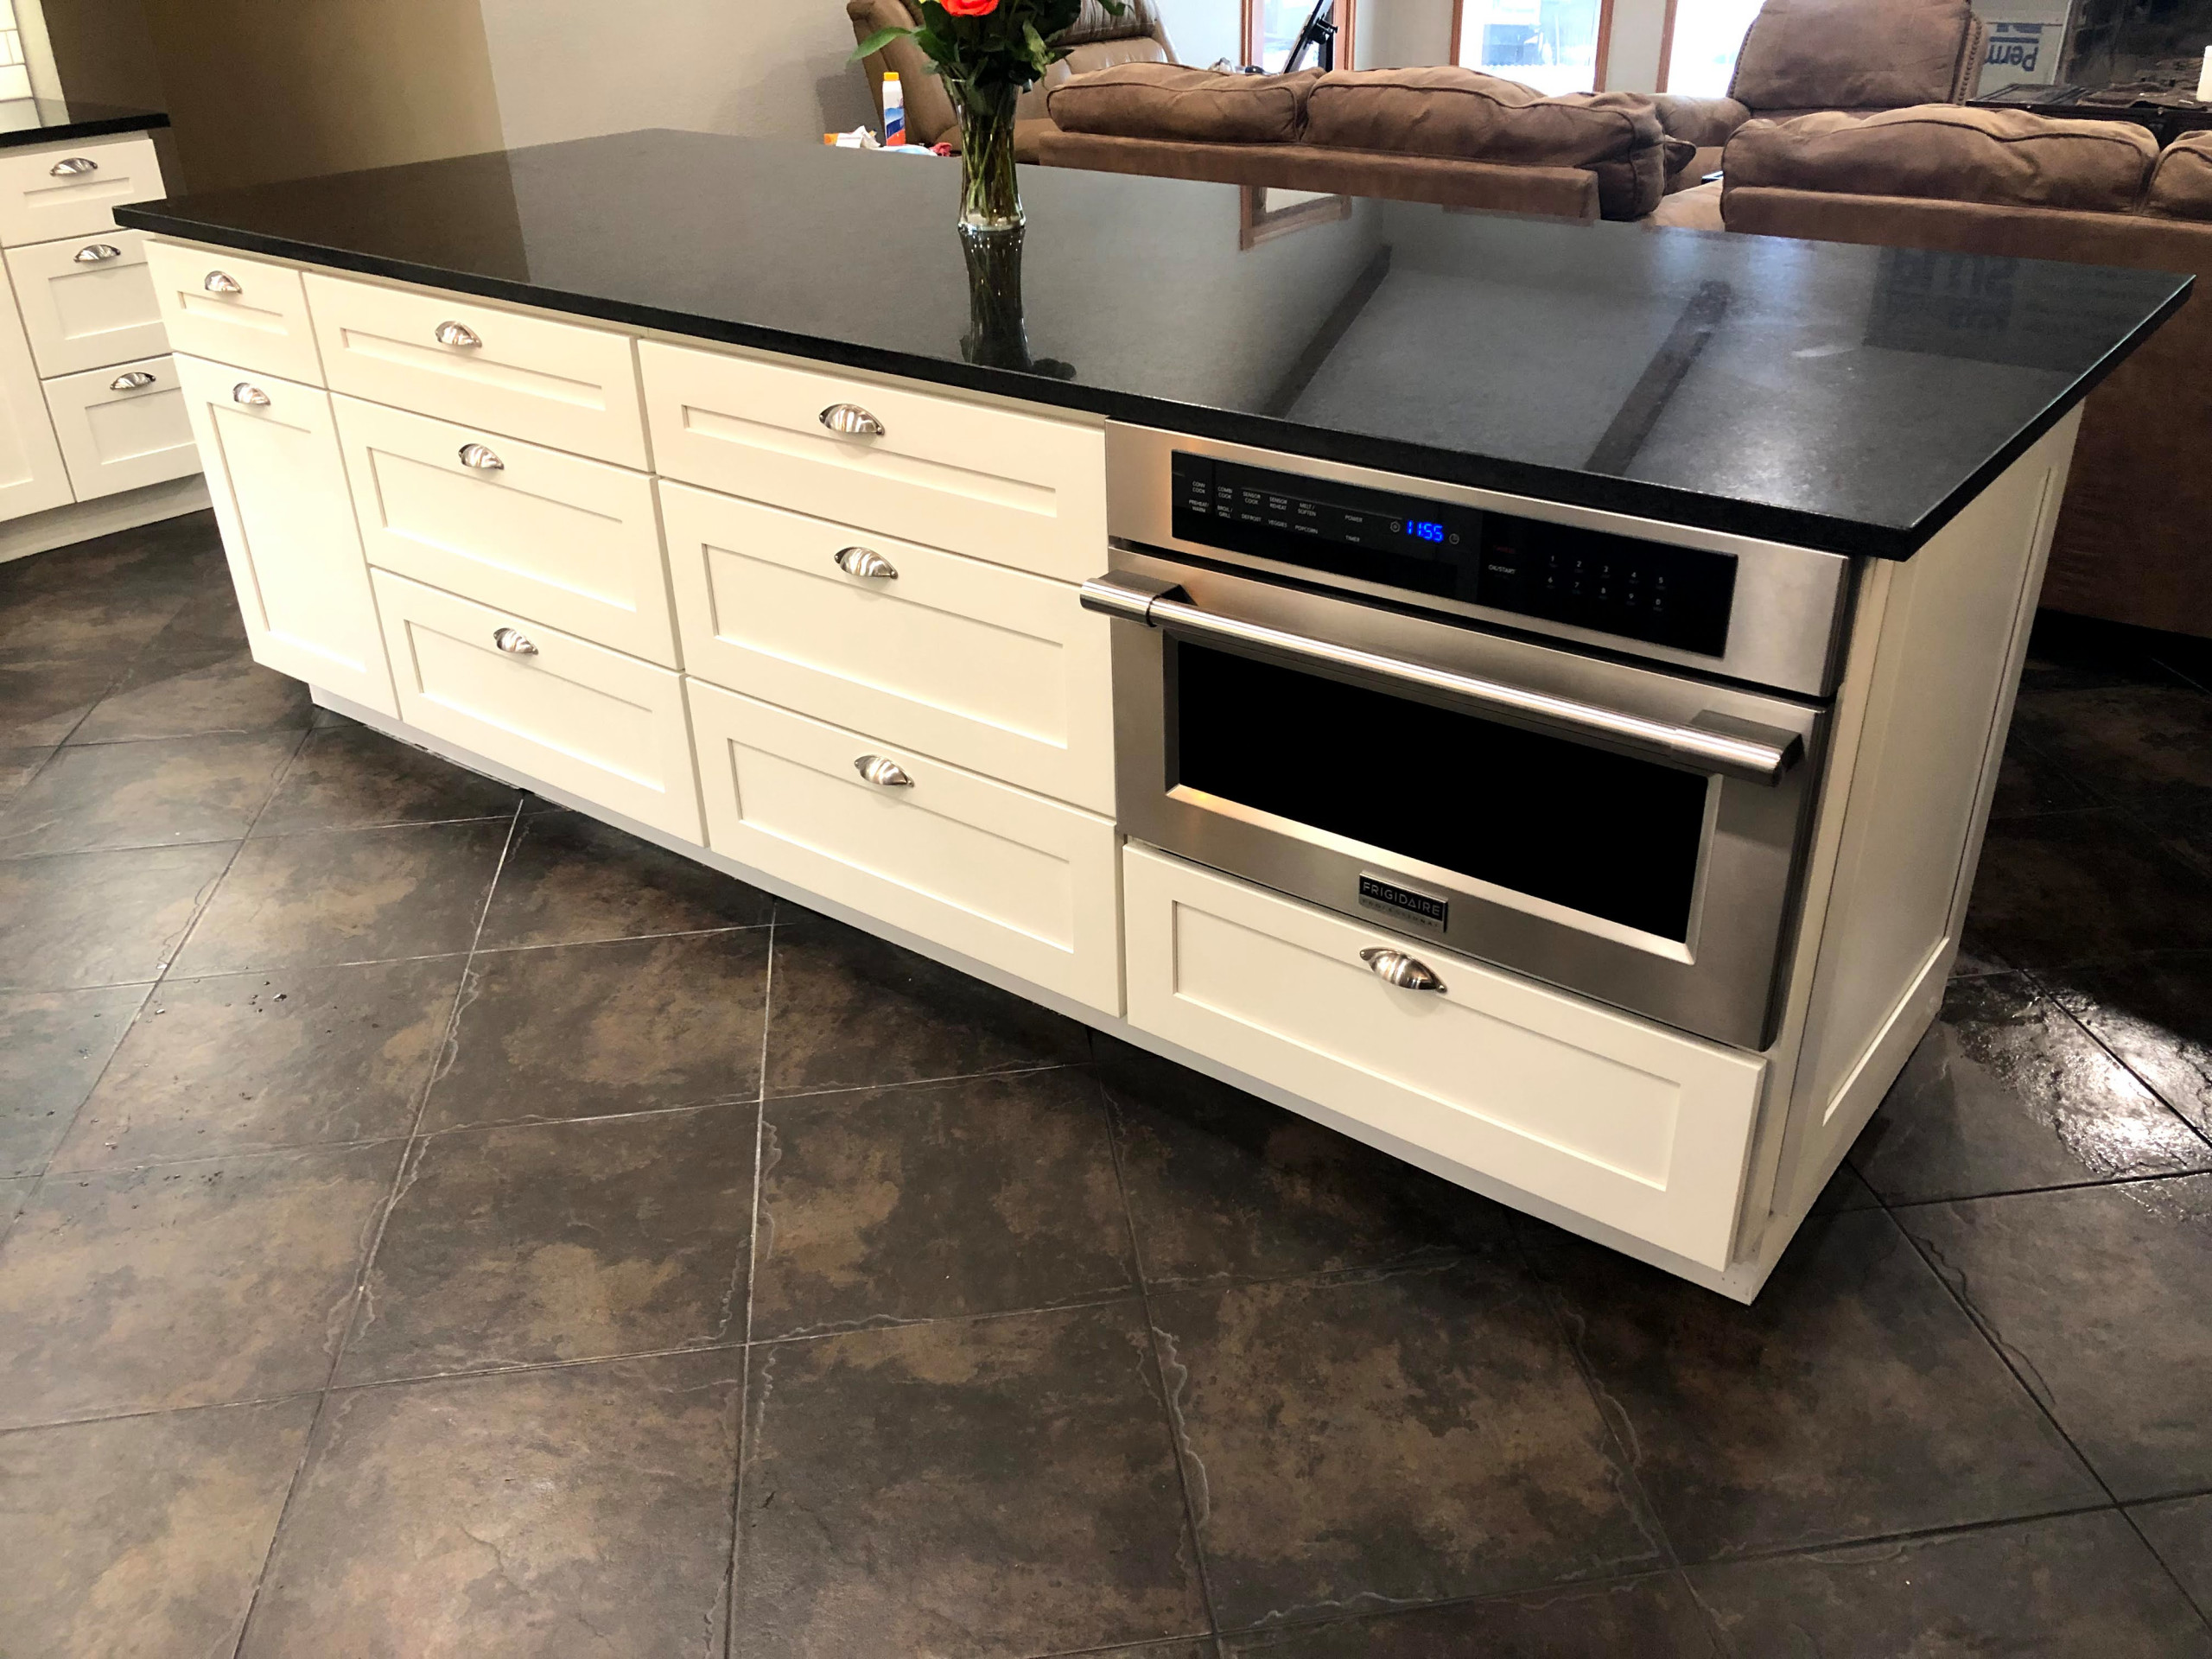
1724,747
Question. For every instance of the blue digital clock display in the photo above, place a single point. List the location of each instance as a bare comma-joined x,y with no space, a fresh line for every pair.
1424,530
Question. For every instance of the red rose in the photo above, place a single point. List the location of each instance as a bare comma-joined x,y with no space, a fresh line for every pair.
970,8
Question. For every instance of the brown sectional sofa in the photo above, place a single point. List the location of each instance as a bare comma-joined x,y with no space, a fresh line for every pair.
2131,544
1453,136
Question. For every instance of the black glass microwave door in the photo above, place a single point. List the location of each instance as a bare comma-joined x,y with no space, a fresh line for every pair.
1600,833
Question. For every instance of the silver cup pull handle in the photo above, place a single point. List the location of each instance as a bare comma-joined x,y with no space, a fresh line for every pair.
476,455
865,562
76,166
249,394
458,334
98,253
513,642
882,773
135,380
851,421
1397,967
221,282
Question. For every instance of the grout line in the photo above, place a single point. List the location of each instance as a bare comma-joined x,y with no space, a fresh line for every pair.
2203,1611
528,1367
1171,1414
751,1277
1895,1204
2118,1059
156,1411
920,1082
408,1161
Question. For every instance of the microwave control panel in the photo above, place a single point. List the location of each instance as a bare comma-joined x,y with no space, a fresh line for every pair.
1673,596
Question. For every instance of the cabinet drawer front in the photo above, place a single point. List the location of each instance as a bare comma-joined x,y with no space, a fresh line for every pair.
42,198
592,720
572,543
216,305
552,383
1624,1121
270,448
973,663
122,427
1012,488
87,302
1001,875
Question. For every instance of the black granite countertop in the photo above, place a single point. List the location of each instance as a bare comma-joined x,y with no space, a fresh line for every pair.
1841,398
25,121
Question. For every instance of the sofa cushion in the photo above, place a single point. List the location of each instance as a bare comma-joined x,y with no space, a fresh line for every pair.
1095,22
1464,115
1948,153
1163,100
1852,54
2181,179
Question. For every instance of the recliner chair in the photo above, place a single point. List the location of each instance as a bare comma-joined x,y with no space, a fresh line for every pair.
1097,40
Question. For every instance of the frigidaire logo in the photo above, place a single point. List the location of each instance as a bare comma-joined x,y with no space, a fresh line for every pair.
1421,909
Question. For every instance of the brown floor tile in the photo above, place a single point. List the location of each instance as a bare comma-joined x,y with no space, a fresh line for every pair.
149,794
53,1046
2081,886
87,618
2147,746
2156,1014
1398,1438
593,1030
1223,1185
2180,1529
562,1241
100,918
537,1515
933,1200
1653,1617
991,1487
1846,1190
853,1011
18,767
206,687
353,776
2030,782
292,1058
185,1285
1852,1400
42,698
361,896
2005,1092
570,880
141,1535
2077,1586
2097,1293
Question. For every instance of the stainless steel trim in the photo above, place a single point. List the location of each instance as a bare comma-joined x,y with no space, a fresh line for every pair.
1790,607
135,380
98,253
1397,967
865,562
251,396
1733,755
851,421
1720,982
73,167
476,455
458,334
513,642
221,282
882,773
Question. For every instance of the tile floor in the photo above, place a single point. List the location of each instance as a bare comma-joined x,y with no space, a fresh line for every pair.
435,1223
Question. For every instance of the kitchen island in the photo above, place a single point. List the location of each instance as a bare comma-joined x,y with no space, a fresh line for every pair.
1526,694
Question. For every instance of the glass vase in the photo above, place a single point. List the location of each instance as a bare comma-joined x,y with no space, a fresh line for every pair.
991,197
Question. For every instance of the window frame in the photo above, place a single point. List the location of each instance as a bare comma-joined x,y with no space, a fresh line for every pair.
1602,50
1347,15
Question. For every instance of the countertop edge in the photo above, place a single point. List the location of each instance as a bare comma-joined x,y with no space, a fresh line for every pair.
1818,532
69,131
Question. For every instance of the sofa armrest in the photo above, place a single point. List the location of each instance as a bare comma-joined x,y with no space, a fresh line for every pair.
1706,122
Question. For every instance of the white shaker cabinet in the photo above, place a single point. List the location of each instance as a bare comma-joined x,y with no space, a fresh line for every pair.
278,481
33,477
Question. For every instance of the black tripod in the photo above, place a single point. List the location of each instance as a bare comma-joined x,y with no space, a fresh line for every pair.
1321,33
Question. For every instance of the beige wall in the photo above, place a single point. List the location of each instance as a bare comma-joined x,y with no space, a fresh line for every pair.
772,68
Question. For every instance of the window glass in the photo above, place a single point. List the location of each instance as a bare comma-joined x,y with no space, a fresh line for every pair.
1551,45
1280,22
1702,55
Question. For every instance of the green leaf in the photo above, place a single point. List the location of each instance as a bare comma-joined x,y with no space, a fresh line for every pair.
877,41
